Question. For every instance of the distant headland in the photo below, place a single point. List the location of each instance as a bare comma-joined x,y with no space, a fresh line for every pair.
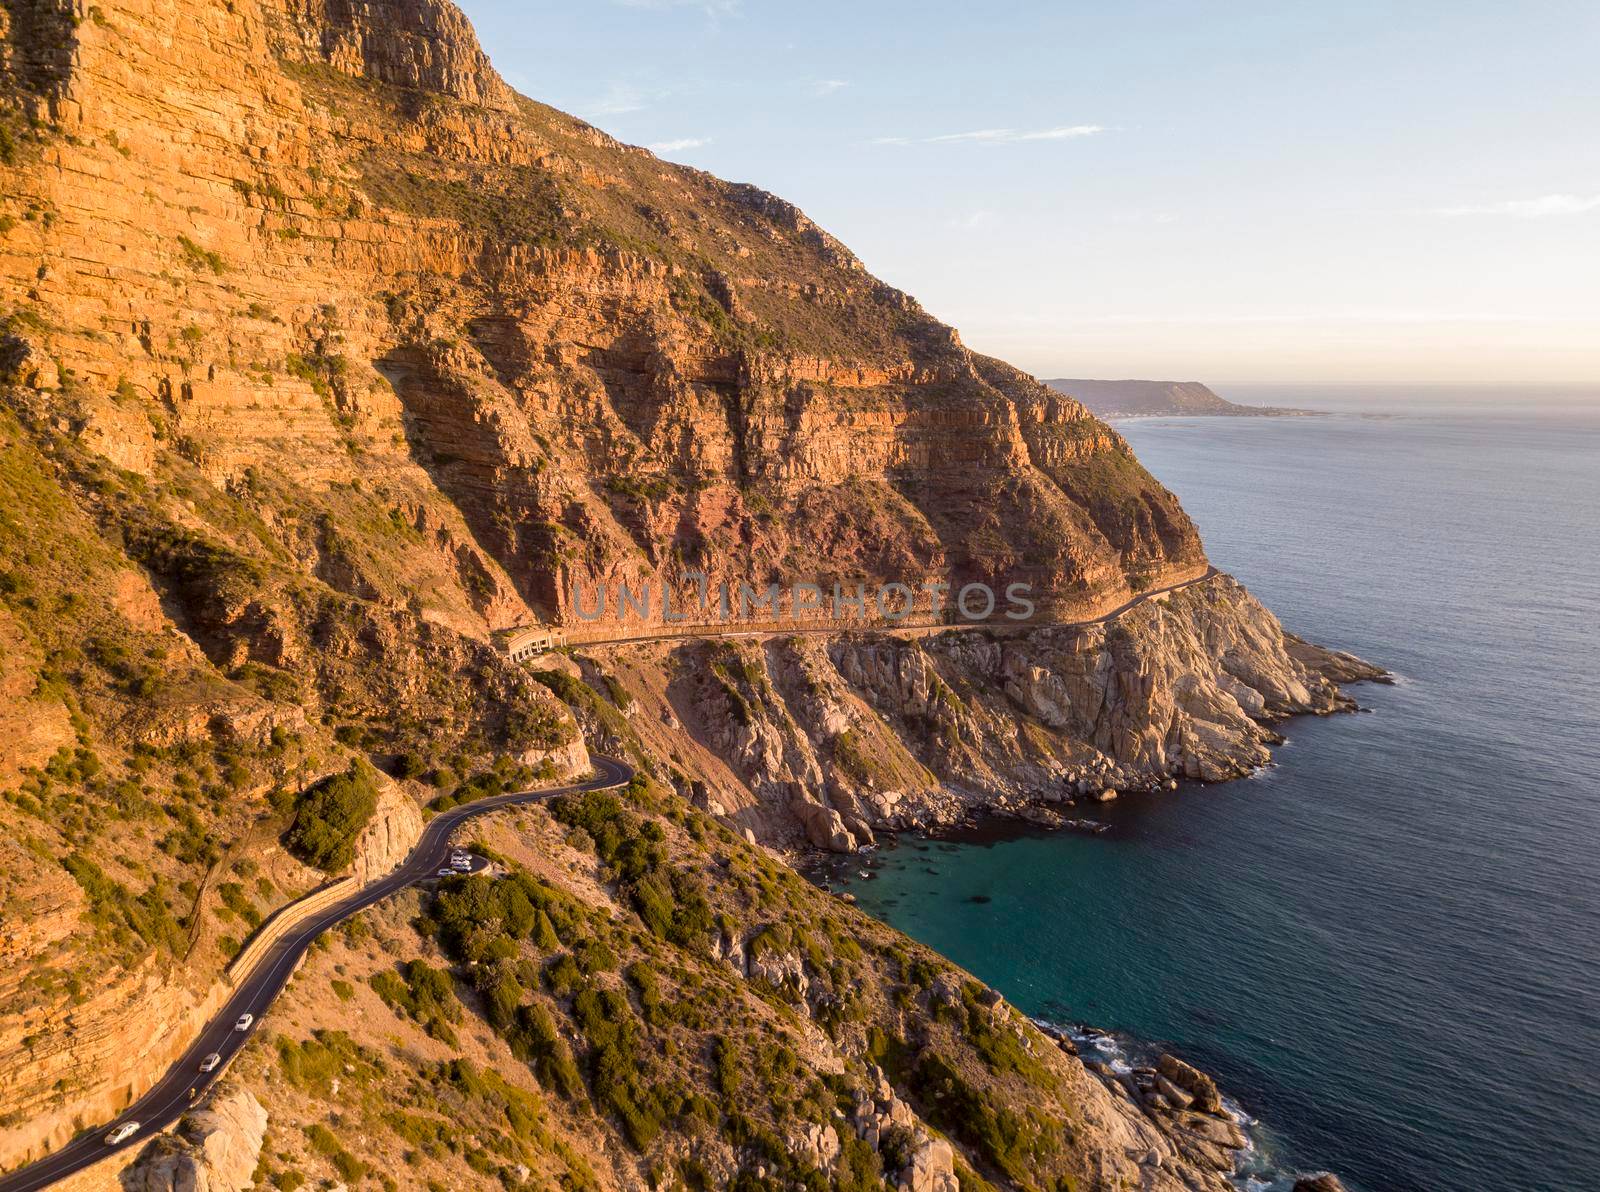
1146,399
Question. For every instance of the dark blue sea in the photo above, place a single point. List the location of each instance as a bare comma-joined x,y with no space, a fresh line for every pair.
1387,947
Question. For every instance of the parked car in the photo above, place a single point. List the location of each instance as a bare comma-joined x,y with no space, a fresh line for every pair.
245,1022
209,1064
446,872
462,863
122,1133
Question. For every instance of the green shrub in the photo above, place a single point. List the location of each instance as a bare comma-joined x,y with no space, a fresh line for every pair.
200,258
535,1040
330,816
124,915
426,995
325,1142
314,1064
237,901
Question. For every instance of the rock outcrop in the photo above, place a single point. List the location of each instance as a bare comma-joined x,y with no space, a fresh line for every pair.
1319,1183
390,834
214,1149
1187,1084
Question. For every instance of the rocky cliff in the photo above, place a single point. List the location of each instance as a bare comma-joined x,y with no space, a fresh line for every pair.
300,243
826,741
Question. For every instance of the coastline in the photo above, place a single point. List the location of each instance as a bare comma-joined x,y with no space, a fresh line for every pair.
1130,1067
1240,412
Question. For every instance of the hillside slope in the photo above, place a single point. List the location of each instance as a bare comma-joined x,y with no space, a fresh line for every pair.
304,243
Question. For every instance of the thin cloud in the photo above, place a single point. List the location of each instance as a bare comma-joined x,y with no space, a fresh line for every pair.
678,145
1001,136
826,87
712,8
1539,208
618,100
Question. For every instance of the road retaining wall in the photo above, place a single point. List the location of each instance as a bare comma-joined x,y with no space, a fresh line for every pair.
283,920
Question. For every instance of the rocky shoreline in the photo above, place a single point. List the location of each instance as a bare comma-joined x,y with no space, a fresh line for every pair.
1187,1105
1181,1101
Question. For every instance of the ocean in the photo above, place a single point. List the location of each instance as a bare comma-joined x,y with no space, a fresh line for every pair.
1386,947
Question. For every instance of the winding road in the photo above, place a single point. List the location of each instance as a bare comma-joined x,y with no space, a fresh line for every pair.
168,1100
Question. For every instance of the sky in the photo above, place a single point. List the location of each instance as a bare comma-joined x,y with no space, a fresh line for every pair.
1226,191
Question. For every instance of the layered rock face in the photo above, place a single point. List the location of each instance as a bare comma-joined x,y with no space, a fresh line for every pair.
314,240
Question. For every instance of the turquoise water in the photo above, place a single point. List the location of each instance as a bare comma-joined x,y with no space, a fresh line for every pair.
1387,947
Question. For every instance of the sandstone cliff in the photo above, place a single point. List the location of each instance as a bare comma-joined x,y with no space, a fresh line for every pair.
301,244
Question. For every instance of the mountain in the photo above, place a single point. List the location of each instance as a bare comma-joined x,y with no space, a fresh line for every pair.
1141,399
328,365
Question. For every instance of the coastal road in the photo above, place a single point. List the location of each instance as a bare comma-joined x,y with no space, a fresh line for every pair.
700,632
170,1097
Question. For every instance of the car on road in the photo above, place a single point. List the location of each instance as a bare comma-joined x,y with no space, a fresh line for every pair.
122,1133
245,1022
209,1064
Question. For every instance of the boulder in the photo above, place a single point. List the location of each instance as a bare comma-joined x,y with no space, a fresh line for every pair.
782,971
1173,1093
815,1144
932,1168
1319,1183
1192,1081
824,827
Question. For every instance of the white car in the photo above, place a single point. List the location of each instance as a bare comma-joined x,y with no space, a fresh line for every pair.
246,1021
462,863
122,1133
446,872
209,1064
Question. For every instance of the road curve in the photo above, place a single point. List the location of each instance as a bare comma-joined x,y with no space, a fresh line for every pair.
169,1098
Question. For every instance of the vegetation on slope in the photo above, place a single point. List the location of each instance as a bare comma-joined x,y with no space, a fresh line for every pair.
634,971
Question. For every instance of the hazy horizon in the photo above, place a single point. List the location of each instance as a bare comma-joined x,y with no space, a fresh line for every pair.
1238,193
